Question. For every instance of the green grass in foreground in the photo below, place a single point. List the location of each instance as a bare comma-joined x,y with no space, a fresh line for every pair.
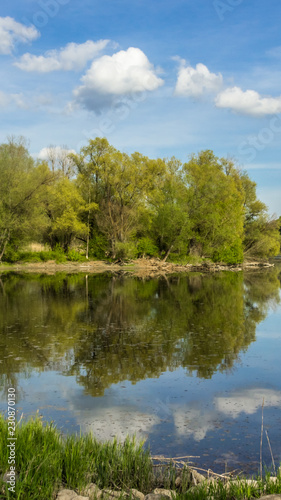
45,462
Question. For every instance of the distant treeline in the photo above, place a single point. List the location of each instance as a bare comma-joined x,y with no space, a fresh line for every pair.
114,205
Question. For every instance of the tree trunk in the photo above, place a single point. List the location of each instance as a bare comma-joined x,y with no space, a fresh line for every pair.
113,249
2,238
88,226
4,245
88,236
168,253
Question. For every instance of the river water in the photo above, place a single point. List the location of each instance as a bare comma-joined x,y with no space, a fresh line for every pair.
185,362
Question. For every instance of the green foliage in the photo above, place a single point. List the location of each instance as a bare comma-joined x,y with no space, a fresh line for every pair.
29,257
118,184
262,237
45,255
11,255
58,254
126,250
170,224
215,204
98,246
64,205
204,208
145,246
22,183
75,256
231,255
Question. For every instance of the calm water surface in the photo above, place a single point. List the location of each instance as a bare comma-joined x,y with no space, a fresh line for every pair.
185,361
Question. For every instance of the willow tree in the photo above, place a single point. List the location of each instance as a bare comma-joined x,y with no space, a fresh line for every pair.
91,164
170,224
64,207
85,186
118,184
216,208
22,214
261,232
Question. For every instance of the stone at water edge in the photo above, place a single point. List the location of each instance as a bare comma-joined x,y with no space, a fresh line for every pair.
69,495
273,479
153,496
164,493
92,491
187,477
271,497
197,478
107,493
137,494
178,482
241,482
106,496
7,477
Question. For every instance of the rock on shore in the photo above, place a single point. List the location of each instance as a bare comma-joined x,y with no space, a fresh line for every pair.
92,492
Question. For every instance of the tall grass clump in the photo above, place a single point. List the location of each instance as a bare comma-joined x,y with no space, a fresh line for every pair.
46,461
110,464
39,459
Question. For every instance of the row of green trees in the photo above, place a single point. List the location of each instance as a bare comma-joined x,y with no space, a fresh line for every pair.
117,205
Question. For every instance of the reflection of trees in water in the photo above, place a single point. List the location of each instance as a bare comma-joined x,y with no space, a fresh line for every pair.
36,324
105,329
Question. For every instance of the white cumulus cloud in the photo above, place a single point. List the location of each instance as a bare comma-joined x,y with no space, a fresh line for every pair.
248,102
12,32
73,56
45,152
112,77
194,82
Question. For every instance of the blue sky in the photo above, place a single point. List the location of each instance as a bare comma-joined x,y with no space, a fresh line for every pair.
159,77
